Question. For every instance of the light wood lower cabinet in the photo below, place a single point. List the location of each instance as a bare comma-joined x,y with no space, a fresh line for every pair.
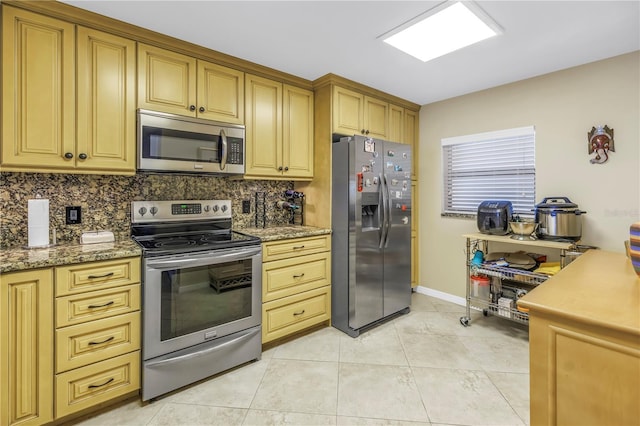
296,285
97,333
26,347
88,386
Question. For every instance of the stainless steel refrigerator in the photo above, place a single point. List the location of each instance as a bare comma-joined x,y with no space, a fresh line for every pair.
371,239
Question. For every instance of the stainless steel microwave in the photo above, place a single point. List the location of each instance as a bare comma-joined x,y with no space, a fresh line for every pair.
176,144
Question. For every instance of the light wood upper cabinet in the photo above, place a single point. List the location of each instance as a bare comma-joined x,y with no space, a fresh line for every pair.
263,127
411,137
348,111
376,118
279,130
396,124
297,143
38,90
106,101
26,347
47,72
179,84
166,81
220,93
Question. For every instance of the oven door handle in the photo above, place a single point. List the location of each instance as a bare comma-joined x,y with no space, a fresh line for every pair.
211,258
245,335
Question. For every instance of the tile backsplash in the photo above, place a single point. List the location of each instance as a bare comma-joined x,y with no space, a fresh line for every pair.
105,200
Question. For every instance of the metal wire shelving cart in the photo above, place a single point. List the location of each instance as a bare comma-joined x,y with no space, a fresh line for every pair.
510,279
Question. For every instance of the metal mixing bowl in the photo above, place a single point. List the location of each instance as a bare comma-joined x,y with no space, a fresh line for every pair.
523,228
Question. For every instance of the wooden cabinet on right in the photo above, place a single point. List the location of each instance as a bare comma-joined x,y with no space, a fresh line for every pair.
179,84
296,290
584,343
279,130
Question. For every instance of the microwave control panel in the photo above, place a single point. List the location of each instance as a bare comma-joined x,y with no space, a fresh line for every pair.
235,155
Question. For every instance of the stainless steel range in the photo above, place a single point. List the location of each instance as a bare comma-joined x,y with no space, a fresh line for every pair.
202,290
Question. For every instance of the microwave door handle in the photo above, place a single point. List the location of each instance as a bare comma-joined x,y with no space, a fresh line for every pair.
225,152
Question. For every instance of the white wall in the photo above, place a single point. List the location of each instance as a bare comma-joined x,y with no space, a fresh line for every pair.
563,106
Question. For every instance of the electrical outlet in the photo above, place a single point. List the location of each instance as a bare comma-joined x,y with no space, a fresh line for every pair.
246,206
73,215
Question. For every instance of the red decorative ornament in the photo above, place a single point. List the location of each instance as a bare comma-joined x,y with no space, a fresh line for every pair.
600,141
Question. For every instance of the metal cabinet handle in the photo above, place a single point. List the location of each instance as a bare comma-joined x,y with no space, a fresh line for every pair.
366,133
299,276
103,384
286,169
93,277
100,306
201,109
82,156
280,168
108,339
192,107
295,314
298,247
68,155
362,131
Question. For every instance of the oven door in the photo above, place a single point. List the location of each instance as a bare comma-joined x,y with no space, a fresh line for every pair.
197,297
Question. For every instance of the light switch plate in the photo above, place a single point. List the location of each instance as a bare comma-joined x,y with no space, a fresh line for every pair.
73,215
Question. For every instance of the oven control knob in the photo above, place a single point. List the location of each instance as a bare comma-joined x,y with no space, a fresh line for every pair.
207,208
153,210
224,208
142,211
215,208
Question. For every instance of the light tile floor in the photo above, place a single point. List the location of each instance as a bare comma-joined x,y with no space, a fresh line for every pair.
423,368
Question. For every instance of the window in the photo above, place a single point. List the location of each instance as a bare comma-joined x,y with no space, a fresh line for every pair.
496,165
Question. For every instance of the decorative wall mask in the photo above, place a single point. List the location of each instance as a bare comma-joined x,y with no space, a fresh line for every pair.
601,142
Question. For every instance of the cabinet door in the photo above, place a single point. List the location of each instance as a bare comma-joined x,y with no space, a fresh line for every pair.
38,96
26,347
396,124
106,102
297,141
166,81
347,112
263,127
376,118
220,93
411,137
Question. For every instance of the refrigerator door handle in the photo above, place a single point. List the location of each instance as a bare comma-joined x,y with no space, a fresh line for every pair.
381,213
387,213
382,207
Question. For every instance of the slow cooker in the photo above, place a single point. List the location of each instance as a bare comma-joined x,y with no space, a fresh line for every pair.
559,219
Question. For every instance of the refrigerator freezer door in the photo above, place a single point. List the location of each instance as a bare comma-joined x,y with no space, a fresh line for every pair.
397,251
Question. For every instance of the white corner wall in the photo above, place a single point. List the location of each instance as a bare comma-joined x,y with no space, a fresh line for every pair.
563,106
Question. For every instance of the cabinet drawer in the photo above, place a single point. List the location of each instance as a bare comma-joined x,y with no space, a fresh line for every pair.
276,250
83,307
88,386
83,277
83,344
294,313
286,277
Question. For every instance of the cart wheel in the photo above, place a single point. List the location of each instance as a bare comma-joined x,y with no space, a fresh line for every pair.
485,312
464,321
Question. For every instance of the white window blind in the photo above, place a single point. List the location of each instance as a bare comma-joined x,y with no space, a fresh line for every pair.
496,165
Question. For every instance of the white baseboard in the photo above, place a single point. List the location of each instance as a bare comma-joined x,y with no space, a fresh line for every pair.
441,295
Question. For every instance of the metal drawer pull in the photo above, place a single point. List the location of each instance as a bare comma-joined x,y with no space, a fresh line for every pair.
100,306
295,314
104,384
298,247
299,276
108,274
104,341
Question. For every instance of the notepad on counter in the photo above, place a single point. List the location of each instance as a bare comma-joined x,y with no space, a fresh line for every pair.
94,237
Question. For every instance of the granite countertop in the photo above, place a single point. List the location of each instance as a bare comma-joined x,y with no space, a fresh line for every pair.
18,258
284,232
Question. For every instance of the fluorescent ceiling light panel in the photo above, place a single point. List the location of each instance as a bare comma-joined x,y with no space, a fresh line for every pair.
444,29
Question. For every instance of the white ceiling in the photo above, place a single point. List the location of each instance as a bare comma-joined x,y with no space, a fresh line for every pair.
312,38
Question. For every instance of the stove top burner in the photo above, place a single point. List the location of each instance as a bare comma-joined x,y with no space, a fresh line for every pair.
157,244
